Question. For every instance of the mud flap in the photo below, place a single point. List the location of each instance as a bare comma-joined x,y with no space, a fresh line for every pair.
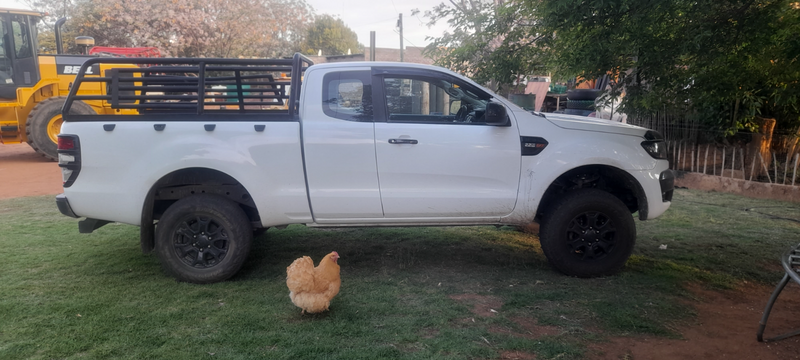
88,225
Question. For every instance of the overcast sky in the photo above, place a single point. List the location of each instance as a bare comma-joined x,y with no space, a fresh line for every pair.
13,4
381,16
364,16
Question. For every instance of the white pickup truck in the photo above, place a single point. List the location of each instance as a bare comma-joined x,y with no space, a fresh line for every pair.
220,148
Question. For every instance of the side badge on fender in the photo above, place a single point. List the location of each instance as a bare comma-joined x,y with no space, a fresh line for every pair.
532,145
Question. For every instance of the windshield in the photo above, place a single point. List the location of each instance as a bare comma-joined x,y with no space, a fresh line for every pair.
22,39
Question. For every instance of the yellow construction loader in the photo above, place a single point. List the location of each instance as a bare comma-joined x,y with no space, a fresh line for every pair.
33,87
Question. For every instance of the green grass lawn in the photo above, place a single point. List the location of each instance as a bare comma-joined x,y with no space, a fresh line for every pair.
451,293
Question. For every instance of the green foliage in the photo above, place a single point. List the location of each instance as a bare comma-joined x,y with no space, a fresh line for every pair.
331,36
55,9
47,42
490,43
726,61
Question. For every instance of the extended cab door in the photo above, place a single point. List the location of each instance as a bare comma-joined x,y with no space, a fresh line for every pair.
339,146
436,158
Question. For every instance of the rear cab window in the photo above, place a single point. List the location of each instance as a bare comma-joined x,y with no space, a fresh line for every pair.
347,95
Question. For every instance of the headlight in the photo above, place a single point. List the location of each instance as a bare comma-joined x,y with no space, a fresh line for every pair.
656,148
655,145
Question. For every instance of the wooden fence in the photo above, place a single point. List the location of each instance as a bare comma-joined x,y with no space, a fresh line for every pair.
692,147
673,126
734,162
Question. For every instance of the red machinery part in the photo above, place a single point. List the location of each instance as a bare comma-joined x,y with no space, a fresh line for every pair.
126,51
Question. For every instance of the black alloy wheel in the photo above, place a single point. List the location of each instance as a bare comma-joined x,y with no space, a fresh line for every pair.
200,242
203,239
588,233
591,235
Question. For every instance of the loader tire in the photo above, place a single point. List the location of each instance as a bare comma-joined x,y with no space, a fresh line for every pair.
44,124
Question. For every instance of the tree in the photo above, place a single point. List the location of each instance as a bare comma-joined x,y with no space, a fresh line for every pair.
331,36
55,9
210,28
726,61
488,41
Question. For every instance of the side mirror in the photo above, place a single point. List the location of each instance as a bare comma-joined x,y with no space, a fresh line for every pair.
496,114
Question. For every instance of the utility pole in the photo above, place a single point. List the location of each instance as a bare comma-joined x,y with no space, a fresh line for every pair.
400,25
372,46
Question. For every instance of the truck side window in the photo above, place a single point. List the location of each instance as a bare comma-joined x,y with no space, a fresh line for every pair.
431,100
347,95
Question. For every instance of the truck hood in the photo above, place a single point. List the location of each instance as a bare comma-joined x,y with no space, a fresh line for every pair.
574,122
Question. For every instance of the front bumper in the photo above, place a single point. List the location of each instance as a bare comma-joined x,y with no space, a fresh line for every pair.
657,185
667,182
63,206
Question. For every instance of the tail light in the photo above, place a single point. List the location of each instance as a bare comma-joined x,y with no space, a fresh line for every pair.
69,158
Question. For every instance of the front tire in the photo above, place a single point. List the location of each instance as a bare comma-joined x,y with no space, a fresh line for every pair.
588,233
203,239
44,124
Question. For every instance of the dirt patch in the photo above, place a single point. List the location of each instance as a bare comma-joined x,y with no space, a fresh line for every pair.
23,172
489,306
528,329
482,305
725,328
532,328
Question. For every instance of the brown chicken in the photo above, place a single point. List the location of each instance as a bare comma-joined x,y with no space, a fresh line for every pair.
312,288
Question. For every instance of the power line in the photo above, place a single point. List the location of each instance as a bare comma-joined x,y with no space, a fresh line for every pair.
406,39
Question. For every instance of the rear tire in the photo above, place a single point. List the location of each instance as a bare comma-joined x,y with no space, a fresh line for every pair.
588,233
203,239
44,124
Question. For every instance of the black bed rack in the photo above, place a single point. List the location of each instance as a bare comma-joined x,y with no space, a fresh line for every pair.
188,87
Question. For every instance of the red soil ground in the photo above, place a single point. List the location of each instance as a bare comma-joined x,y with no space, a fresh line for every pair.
23,172
725,327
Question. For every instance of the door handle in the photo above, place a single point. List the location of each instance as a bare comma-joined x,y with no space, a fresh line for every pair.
403,141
